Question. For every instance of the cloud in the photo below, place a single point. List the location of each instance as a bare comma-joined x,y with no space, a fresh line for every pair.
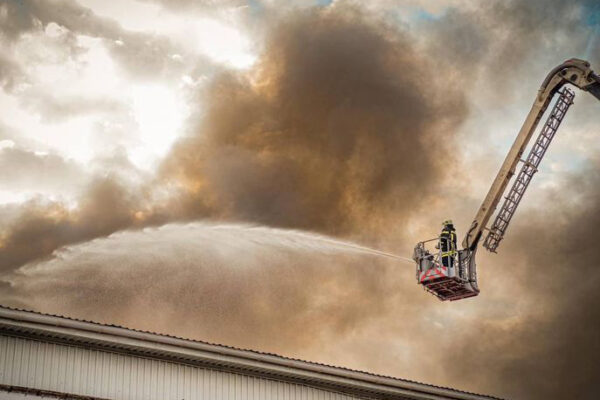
202,5
43,172
11,73
141,55
53,109
496,41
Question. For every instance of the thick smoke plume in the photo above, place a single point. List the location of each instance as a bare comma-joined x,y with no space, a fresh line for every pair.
333,131
346,126
40,228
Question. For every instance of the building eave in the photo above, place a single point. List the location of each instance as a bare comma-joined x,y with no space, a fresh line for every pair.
146,344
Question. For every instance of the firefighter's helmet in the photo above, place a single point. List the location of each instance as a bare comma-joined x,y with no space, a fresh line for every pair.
447,222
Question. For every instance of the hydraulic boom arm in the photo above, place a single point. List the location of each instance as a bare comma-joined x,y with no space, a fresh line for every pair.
574,71
452,275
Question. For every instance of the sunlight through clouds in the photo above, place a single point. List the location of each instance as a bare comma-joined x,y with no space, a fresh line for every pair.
159,113
223,43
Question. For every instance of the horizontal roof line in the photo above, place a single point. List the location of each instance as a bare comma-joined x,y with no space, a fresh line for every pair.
149,344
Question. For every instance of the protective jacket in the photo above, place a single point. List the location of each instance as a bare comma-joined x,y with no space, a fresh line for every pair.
448,245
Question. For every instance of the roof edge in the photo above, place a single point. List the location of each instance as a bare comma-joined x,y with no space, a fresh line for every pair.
194,352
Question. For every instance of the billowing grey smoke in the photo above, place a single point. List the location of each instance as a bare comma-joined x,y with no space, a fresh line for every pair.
336,130
331,132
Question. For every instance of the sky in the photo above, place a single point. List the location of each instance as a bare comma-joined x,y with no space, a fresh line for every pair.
167,165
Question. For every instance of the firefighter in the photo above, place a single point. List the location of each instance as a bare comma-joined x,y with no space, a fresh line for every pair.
448,243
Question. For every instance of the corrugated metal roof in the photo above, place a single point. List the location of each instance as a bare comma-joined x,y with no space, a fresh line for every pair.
234,356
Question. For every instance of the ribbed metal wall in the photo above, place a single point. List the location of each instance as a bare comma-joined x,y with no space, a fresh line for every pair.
66,369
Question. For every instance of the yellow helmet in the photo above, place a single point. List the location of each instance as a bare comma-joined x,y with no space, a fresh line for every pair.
447,222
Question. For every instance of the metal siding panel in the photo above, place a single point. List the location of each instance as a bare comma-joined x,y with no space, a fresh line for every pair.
212,392
128,380
24,362
10,356
138,379
188,383
169,379
95,374
153,386
124,376
167,391
31,364
18,354
180,381
243,388
58,364
46,373
153,379
100,378
3,361
110,374
68,373
50,367
202,387
75,382
195,384
61,373
39,367
88,372
144,378
219,386
161,383
104,374
224,385
41,382
206,384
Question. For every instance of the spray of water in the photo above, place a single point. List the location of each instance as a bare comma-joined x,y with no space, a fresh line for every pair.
228,283
342,244
220,238
265,236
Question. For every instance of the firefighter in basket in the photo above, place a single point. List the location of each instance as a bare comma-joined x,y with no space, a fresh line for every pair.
448,244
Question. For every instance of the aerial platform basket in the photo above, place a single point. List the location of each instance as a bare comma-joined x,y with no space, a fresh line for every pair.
447,282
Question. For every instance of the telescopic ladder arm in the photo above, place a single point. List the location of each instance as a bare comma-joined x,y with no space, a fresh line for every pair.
576,72
528,169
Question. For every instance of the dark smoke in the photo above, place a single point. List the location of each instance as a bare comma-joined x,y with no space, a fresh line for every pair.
347,127
332,131
41,227
321,136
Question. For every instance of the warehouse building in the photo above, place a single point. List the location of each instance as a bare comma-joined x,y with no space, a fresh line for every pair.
48,357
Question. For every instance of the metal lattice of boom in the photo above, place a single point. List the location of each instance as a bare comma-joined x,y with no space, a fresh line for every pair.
529,168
